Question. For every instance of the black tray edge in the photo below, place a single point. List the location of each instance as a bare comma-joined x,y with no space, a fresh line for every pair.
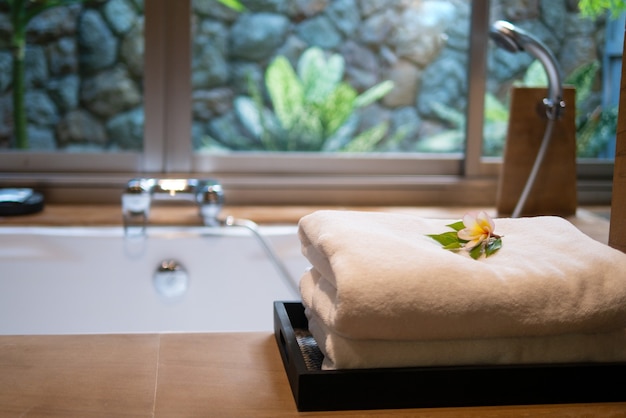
429,387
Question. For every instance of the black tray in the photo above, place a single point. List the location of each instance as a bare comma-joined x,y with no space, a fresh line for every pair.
421,387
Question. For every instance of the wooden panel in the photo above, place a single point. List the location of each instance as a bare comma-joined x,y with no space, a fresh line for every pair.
78,376
219,375
617,231
554,190
200,375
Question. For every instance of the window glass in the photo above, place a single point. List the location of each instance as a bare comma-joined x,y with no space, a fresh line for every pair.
330,76
71,76
589,56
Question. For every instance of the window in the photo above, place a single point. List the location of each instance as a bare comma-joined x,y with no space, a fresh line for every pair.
431,151
77,78
588,54
347,76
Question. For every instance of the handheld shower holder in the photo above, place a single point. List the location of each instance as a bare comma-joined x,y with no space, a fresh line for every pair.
553,109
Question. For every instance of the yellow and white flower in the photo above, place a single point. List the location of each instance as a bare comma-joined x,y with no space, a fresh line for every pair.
479,227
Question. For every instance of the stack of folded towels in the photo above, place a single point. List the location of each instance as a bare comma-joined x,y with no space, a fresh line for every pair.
381,293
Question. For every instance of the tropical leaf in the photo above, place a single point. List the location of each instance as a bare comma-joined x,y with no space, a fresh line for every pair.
367,140
596,8
319,76
337,108
233,4
374,93
307,133
448,114
457,226
495,111
535,75
476,252
445,238
583,78
285,90
493,246
444,142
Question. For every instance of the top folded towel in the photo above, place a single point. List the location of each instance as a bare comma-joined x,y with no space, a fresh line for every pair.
383,278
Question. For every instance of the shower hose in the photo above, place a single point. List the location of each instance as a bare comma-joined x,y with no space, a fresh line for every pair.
545,142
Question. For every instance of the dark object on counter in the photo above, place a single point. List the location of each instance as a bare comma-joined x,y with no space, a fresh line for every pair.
20,201
315,389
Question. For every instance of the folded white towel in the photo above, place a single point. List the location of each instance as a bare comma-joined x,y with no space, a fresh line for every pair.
378,276
344,353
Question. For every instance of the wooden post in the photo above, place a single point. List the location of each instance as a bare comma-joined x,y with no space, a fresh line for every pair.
617,228
554,190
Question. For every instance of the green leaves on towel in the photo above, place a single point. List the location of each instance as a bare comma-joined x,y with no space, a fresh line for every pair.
474,233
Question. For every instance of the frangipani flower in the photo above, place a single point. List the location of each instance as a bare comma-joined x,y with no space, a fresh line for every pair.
474,234
478,227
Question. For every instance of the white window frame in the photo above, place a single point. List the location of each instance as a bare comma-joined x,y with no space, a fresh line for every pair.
275,178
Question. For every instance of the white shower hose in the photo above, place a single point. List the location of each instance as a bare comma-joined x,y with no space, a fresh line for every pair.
547,136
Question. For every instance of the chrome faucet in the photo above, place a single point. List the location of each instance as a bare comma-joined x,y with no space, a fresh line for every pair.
140,192
207,194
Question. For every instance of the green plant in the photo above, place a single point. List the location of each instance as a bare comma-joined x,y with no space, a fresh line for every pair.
310,105
595,128
22,11
595,8
233,4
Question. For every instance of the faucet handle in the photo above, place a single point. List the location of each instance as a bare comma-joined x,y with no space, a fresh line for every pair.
136,202
136,197
210,200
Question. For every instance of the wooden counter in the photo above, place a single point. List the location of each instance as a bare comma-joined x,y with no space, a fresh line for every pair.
192,375
183,375
186,214
586,219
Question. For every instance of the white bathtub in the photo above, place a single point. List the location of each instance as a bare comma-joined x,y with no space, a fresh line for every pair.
94,280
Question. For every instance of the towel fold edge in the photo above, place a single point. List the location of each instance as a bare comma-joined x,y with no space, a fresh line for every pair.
344,353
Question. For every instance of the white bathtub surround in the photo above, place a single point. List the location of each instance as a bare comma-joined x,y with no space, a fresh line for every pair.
95,280
379,281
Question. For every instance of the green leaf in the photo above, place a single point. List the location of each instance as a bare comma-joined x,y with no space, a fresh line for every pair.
445,239
453,246
493,246
457,226
583,78
306,134
320,77
367,140
476,252
535,75
338,107
448,114
596,8
285,90
233,4
374,93
495,111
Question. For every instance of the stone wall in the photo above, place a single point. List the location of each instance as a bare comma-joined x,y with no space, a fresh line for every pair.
85,64
83,78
